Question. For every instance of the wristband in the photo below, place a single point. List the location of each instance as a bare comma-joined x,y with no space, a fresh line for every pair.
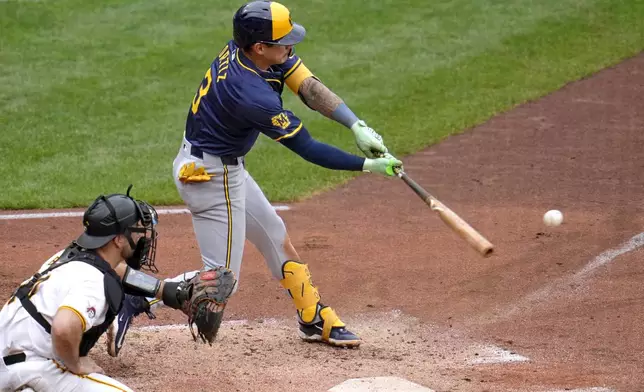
344,115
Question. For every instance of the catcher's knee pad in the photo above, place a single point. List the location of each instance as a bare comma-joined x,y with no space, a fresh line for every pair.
297,280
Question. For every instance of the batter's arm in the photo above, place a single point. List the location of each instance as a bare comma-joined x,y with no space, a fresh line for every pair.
301,81
322,154
333,158
320,98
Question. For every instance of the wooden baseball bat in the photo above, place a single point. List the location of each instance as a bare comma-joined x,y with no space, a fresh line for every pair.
455,222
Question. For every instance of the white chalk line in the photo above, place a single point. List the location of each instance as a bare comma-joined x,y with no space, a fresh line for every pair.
592,389
398,384
74,214
379,384
563,284
170,327
609,255
494,354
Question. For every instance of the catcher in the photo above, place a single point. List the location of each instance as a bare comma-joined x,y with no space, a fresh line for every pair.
53,320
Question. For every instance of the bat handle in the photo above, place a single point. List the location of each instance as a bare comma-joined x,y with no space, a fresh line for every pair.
397,170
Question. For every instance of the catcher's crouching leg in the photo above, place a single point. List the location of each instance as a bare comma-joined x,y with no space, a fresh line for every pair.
203,299
318,323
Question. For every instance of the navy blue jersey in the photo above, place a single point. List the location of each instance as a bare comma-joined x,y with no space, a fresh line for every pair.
236,101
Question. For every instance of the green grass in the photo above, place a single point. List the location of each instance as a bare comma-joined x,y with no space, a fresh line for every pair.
94,94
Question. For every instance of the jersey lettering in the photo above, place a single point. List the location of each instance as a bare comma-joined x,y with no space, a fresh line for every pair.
233,84
224,61
33,290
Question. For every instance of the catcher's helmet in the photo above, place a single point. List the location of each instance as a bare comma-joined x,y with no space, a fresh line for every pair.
266,22
117,214
112,215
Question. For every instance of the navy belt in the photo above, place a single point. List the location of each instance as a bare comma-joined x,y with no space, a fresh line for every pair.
196,152
14,358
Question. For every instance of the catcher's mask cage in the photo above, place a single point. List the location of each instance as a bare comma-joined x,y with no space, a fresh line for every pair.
146,248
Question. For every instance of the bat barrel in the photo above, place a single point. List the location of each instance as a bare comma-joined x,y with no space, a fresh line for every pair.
450,218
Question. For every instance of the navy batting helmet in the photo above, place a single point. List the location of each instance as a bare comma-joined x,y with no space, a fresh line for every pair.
267,22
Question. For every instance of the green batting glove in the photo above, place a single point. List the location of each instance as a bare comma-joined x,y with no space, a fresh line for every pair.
368,140
384,166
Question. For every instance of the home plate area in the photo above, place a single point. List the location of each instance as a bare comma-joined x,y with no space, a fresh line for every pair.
399,353
397,384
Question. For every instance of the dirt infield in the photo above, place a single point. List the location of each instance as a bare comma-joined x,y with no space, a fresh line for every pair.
563,307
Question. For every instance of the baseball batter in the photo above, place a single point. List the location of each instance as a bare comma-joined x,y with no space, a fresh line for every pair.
52,321
239,98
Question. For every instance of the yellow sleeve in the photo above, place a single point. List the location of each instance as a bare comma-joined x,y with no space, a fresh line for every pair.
296,75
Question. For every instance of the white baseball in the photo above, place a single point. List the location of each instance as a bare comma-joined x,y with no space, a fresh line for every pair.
553,218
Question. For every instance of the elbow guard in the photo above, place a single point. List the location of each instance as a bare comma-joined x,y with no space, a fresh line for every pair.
140,284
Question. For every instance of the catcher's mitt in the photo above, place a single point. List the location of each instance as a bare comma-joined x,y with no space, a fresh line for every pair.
208,293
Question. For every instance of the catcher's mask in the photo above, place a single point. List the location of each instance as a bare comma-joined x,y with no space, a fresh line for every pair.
119,214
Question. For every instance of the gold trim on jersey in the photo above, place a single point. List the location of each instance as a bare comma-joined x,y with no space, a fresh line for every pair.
293,68
104,383
290,134
34,289
64,369
252,70
244,65
80,316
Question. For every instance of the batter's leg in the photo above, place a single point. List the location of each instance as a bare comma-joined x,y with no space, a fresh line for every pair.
217,207
218,213
266,230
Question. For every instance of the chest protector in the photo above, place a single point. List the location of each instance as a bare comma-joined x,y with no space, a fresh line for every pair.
113,293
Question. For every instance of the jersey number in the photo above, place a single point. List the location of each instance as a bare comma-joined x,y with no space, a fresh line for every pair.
33,290
203,90
224,60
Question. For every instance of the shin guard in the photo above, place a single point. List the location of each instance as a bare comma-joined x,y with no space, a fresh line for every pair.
297,280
